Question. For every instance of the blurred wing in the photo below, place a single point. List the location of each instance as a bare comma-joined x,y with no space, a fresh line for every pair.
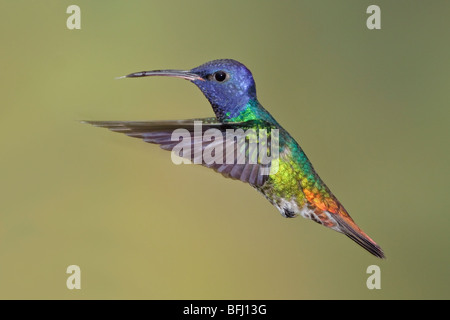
165,135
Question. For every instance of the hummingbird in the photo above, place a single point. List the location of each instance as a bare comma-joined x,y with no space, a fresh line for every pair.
295,189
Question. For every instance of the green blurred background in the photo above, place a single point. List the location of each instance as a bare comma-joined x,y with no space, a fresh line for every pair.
370,108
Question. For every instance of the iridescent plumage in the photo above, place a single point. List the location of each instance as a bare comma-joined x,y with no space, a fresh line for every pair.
295,189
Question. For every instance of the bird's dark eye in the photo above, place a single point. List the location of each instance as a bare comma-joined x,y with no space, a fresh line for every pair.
220,76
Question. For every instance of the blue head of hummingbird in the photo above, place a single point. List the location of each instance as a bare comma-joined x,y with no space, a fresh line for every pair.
227,84
295,189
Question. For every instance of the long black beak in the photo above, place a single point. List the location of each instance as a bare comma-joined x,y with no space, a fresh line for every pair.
165,73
